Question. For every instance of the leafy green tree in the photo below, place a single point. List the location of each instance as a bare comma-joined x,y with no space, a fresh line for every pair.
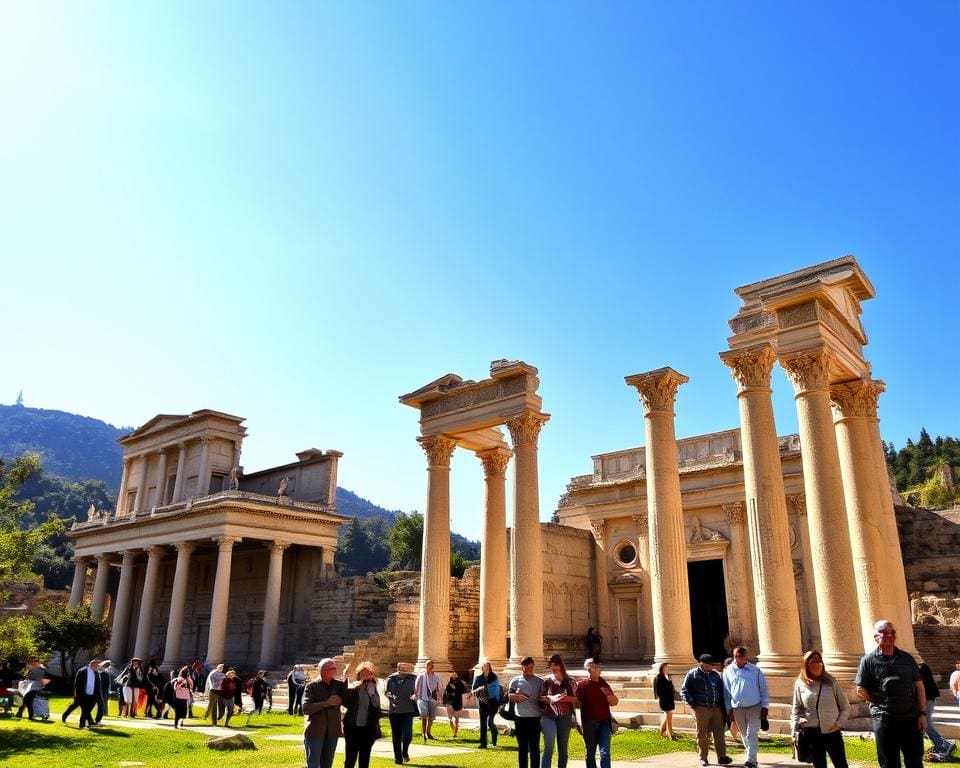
58,628
457,565
405,540
21,535
16,638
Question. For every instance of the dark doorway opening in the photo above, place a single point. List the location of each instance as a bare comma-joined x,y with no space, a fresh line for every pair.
708,607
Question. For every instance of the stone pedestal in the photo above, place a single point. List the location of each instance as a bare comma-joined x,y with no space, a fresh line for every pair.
178,598
493,559
778,623
435,566
826,514
670,589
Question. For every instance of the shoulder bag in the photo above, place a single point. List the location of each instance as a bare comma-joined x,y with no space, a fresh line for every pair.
802,751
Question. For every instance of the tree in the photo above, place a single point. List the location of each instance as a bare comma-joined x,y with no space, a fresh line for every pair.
21,535
16,638
58,628
405,539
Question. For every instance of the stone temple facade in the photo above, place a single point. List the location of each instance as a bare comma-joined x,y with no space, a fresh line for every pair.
202,560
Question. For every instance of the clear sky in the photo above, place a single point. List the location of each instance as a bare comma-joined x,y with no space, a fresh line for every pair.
296,212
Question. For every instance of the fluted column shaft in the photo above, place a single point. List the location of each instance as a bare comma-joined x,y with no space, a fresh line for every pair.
181,472
203,473
881,584
220,604
643,550
121,613
741,599
122,496
435,561
79,581
778,623
100,583
826,514
140,500
271,604
159,500
526,553
493,558
599,530
148,601
178,599
670,591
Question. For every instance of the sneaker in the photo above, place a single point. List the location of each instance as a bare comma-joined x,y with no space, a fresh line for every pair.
749,764
725,760
704,763
951,749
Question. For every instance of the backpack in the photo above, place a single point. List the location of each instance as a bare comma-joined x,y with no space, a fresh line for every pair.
250,685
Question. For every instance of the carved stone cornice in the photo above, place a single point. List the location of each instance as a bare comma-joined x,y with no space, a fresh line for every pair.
751,367
808,371
642,523
525,428
657,389
598,527
494,461
856,398
735,512
439,449
799,503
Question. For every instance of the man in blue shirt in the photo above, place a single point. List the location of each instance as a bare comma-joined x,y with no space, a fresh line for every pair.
702,691
746,699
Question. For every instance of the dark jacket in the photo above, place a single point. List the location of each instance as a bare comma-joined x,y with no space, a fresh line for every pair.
80,684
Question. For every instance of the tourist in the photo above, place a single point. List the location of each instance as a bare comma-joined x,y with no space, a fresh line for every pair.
86,693
889,679
321,708
942,748
401,693
291,690
258,689
182,695
955,682
525,691
36,679
665,694
230,696
361,723
428,699
596,698
486,688
453,699
734,731
106,686
133,682
558,698
155,683
594,644
820,708
214,704
746,700
702,691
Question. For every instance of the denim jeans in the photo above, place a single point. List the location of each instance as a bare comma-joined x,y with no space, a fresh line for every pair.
896,736
527,730
555,729
940,744
596,733
320,750
401,732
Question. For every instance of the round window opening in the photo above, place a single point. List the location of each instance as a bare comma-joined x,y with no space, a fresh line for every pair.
627,554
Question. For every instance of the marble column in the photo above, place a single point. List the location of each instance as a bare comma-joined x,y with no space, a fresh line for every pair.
526,553
181,473
122,495
140,501
100,583
203,473
809,372
881,583
646,603
599,530
778,624
741,597
435,561
670,591
148,600
178,599
79,581
807,589
160,499
271,604
220,604
121,613
493,558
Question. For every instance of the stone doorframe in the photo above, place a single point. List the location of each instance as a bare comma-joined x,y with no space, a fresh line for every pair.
468,414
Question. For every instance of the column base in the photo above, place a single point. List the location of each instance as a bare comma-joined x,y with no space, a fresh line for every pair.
780,665
842,666
679,663
442,667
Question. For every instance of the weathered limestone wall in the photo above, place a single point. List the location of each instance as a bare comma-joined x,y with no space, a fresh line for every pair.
930,543
568,591
940,648
342,610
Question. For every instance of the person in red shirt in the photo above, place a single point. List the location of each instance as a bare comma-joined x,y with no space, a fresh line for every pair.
596,698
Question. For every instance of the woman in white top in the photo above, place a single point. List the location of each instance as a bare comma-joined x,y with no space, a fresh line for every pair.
820,708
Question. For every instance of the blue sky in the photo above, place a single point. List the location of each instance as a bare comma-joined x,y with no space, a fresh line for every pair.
296,212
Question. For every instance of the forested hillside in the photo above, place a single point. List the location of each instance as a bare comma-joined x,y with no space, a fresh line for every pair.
926,472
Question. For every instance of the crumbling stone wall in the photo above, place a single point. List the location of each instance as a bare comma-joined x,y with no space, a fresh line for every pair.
930,543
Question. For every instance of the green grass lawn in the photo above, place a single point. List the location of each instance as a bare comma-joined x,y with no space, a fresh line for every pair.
25,744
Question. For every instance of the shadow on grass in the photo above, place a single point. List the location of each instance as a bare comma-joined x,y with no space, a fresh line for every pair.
17,741
104,730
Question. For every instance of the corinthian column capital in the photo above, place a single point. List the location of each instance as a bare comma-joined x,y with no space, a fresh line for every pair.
808,371
751,367
185,547
439,449
643,524
856,398
525,428
735,512
226,542
799,503
657,389
598,527
277,546
494,461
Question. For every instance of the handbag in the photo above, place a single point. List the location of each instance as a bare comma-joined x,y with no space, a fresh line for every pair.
802,751
508,709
